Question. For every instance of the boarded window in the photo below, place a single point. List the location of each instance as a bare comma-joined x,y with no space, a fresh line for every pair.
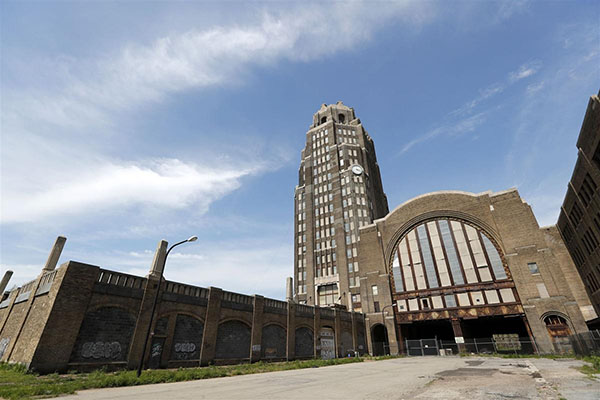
233,340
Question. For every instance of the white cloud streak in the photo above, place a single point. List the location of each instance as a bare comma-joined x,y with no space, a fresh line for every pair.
55,136
167,183
460,121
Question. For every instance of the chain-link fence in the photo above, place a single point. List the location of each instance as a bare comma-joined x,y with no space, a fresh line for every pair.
586,343
497,345
583,344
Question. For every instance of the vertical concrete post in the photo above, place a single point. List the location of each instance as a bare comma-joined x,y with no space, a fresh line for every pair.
211,326
458,334
291,331
317,333
4,282
339,350
257,323
350,304
54,255
153,282
158,263
289,289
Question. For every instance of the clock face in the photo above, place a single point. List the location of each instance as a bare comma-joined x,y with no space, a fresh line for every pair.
357,169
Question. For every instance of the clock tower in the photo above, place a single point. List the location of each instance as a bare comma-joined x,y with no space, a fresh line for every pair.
339,190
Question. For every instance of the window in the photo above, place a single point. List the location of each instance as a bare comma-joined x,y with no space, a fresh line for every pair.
350,267
533,268
376,306
425,304
374,290
450,300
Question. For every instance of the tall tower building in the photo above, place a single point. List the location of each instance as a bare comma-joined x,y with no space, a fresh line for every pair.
339,190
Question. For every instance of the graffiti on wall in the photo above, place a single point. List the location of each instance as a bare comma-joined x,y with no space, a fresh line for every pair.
185,351
101,350
3,345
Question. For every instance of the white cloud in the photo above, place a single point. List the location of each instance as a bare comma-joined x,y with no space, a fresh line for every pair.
461,121
58,131
167,183
525,71
455,128
138,74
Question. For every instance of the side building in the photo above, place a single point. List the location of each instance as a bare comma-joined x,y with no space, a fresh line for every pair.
339,191
579,220
457,266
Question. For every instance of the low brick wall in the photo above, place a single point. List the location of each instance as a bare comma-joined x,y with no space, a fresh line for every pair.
83,317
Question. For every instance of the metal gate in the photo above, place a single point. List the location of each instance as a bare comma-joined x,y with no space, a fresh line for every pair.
327,344
422,347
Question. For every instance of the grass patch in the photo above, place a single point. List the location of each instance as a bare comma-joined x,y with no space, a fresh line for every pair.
17,383
591,369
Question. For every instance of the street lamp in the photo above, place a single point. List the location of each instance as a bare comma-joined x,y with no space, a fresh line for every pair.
141,365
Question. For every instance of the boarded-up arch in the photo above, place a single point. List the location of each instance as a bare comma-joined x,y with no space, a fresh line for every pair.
233,340
187,338
274,339
304,342
347,345
104,336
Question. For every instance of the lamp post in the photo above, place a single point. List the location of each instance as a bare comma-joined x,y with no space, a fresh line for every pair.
141,365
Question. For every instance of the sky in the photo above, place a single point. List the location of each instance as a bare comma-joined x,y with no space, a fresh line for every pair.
124,123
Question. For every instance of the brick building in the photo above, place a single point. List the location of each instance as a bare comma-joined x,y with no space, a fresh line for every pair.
445,265
579,219
339,190
458,266
80,316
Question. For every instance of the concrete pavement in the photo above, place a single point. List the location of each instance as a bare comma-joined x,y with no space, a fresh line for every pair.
404,378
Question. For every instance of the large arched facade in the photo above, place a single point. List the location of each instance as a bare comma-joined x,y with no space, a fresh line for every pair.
449,279
458,266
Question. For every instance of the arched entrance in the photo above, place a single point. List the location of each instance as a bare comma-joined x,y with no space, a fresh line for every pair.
559,331
379,340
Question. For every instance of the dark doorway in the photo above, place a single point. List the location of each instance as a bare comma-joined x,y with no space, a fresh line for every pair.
436,329
379,338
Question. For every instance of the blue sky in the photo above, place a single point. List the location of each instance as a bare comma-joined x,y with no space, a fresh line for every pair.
124,123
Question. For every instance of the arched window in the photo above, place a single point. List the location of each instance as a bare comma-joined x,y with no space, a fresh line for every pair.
341,118
323,120
557,326
448,253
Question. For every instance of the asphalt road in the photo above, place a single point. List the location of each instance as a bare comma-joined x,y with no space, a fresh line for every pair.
404,378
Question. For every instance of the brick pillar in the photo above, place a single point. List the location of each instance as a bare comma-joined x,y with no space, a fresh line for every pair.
458,333
166,354
257,323
368,338
291,331
354,332
317,333
289,289
4,282
211,326
530,334
339,351
141,326
390,326
54,255
153,282
158,263
401,344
